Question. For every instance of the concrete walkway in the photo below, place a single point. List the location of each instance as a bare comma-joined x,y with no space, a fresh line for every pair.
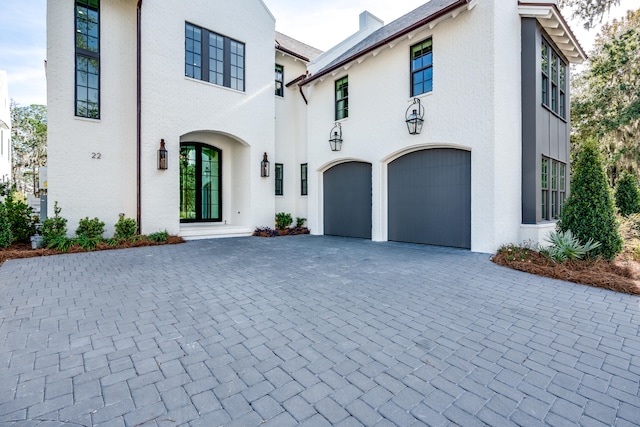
308,330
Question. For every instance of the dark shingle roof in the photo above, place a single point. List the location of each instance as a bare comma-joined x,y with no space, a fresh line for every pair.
403,25
296,48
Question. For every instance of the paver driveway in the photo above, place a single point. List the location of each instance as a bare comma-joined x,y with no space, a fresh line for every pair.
312,331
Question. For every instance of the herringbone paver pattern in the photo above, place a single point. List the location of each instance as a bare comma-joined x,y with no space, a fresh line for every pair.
311,331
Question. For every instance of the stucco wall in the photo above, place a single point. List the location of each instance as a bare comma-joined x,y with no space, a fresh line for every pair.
5,128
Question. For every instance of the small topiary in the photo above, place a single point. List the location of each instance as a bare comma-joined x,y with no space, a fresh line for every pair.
627,195
125,228
90,228
589,212
6,237
54,227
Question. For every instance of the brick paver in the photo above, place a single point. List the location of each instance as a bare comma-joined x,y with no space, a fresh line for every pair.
309,330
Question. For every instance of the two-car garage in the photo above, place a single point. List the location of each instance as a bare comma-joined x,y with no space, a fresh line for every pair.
429,198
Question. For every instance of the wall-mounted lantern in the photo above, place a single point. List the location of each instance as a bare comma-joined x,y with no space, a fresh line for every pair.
335,137
162,156
415,118
264,166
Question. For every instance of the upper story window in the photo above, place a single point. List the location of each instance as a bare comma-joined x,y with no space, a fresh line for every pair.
554,80
279,80
342,98
422,67
87,96
213,58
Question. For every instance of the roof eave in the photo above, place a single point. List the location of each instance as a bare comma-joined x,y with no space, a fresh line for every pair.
292,53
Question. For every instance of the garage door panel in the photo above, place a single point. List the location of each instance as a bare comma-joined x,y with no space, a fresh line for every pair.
347,200
430,198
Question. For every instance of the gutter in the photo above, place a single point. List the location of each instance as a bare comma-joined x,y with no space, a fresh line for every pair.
138,117
389,39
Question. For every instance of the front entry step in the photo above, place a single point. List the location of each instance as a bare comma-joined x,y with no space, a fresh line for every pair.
212,231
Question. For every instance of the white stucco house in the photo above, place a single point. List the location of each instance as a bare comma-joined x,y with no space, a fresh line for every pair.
488,80
5,129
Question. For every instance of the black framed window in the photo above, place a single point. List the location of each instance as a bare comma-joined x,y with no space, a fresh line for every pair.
544,185
303,179
200,183
554,80
554,187
342,98
422,67
279,80
87,66
279,179
214,58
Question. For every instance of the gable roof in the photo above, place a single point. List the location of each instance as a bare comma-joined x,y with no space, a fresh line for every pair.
417,18
296,48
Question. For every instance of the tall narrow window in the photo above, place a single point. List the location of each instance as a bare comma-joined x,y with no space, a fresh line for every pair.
279,80
214,58
303,179
200,183
342,98
279,179
544,184
554,189
562,186
422,67
562,87
87,97
554,82
545,73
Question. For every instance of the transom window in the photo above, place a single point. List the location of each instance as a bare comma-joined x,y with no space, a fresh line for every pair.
422,67
87,93
214,58
279,80
554,80
342,98
200,183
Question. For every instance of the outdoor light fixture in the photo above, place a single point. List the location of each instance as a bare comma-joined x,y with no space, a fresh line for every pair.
264,166
335,137
162,156
415,118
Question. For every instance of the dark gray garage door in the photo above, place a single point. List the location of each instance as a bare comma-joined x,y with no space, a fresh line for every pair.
347,200
430,198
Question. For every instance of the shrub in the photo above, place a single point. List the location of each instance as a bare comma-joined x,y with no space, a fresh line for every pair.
54,227
125,228
283,220
91,228
589,211
61,243
21,218
159,236
6,237
87,243
565,246
627,195
300,222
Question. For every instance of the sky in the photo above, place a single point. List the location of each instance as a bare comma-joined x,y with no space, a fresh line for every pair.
319,23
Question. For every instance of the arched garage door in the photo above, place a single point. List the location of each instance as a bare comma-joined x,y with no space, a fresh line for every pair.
430,198
347,200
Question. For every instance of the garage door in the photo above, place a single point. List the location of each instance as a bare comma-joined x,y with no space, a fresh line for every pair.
430,198
347,200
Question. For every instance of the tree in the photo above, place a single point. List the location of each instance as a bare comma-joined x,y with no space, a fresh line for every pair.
627,195
29,140
589,212
589,11
606,96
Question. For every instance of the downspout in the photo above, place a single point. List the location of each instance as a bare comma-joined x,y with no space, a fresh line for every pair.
138,117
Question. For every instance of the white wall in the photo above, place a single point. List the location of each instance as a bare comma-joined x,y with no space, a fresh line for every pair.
5,128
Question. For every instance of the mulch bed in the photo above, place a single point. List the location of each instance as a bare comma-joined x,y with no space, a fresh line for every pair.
274,232
619,275
23,250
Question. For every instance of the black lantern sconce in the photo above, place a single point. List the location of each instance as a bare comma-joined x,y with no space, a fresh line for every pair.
415,118
162,156
335,137
264,166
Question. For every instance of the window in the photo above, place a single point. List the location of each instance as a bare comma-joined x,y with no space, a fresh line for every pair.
279,180
554,80
422,67
200,183
342,98
562,186
87,59
303,179
213,58
279,80
544,184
